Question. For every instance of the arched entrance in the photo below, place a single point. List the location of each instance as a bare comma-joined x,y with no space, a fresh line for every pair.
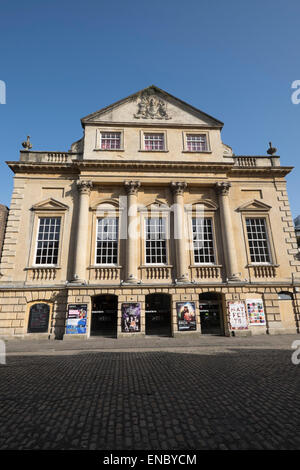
104,315
158,314
211,314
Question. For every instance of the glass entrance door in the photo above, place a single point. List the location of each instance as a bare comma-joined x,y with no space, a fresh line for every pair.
210,317
104,315
158,315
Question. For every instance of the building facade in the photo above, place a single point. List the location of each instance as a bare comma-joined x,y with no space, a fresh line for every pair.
3,220
148,225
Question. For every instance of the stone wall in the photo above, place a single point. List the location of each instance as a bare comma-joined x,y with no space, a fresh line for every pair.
3,220
15,304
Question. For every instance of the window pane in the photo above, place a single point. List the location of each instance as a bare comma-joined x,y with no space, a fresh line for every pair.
155,244
107,241
196,142
110,140
48,240
258,241
203,240
154,141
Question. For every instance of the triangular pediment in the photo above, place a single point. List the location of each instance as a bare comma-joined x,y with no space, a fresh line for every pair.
50,204
254,205
152,106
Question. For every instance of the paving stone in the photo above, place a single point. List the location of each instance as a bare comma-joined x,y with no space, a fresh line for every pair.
245,396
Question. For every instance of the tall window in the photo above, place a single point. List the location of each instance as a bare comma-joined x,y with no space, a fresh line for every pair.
258,240
156,245
203,240
154,141
107,241
196,143
48,240
110,140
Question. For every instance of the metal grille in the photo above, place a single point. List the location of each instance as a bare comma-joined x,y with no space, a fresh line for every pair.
258,240
110,140
196,142
203,240
48,240
107,241
156,246
154,141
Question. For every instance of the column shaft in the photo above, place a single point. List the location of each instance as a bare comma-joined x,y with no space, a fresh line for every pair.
80,264
132,188
227,232
179,231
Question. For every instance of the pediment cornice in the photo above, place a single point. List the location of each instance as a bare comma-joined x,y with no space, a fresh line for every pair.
50,204
254,205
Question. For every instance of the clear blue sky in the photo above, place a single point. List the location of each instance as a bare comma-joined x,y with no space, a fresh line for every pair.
235,60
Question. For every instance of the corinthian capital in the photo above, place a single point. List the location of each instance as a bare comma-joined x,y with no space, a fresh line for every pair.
84,187
178,187
223,188
132,187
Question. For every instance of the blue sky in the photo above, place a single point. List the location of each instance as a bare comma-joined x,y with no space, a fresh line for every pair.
235,60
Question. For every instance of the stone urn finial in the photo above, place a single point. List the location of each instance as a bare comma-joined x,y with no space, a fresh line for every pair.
271,150
27,144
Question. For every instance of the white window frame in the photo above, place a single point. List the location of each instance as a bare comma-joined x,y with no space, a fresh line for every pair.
152,131
270,251
154,216
200,132
205,263
42,265
109,130
117,240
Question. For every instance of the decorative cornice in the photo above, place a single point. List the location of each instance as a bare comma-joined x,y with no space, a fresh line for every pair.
157,166
178,187
132,187
223,188
84,187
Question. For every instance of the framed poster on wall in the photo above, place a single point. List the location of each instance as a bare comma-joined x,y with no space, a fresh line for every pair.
131,317
237,316
76,319
186,316
256,313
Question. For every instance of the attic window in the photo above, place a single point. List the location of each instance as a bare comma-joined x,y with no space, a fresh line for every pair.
196,143
154,141
110,140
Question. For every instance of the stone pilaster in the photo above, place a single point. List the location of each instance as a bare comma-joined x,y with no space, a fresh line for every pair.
132,188
227,231
178,188
84,188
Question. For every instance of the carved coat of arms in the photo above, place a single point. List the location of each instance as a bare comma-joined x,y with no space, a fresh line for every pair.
151,107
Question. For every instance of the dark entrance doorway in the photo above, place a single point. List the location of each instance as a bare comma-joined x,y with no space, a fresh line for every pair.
158,314
104,315
211,317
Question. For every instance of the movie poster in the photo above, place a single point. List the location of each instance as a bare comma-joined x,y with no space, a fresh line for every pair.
256,314
131,317
237,316
186,316
76,320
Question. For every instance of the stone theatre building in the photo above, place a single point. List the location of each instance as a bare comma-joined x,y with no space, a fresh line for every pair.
149,224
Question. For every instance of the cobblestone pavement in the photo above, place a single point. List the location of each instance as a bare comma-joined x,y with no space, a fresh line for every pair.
246,397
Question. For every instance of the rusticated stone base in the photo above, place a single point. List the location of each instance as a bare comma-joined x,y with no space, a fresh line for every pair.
15,305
